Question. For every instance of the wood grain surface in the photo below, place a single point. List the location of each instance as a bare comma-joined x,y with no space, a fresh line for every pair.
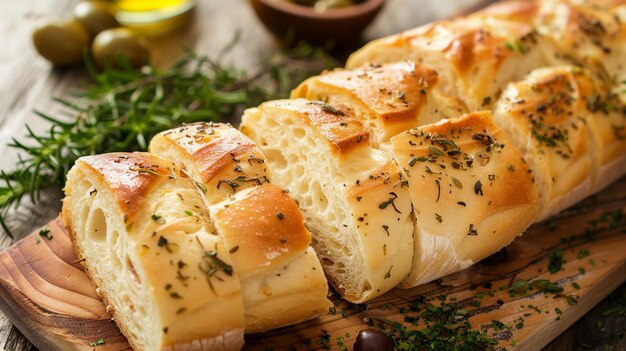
28,82
45,292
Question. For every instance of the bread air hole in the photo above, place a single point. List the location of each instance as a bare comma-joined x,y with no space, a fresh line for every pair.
317,193
84,216
278,160
113,250
346,251
97,226
334,244
128,301
299,171
299,133
133,273
271,123
327,262
114,238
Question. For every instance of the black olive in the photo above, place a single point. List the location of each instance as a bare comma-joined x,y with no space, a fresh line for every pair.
372,340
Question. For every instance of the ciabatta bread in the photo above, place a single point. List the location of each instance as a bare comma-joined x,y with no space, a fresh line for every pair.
355,201
141,228
281,278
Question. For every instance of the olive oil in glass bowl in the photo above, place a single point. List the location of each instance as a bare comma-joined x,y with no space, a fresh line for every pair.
148,12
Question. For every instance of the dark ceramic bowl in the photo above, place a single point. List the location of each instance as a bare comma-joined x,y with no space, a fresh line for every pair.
341,26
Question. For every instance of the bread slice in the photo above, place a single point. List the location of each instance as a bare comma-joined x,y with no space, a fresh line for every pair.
138,224
591,33
281,278
219,159
475,58
388,99
354,200
471,190
549,118
605,117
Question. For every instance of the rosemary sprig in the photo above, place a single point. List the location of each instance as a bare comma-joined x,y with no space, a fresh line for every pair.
123,108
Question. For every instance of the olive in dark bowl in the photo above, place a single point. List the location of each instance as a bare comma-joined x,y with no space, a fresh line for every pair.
342,26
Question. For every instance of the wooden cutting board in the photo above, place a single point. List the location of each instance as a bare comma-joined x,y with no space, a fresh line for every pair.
51,300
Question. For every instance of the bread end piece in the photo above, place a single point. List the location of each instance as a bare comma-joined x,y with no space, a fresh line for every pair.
127,221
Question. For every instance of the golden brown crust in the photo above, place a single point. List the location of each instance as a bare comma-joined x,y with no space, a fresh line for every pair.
478,140
591,34
263,227
216,150
475,57
466,43
517,10
549,106
563,118
336,123
393,93
130,176
282,280
471,47
471,190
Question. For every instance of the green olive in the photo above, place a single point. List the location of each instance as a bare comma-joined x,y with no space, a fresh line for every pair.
110,45
61,43
95,16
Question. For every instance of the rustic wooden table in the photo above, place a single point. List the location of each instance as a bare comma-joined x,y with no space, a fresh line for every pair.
27,82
